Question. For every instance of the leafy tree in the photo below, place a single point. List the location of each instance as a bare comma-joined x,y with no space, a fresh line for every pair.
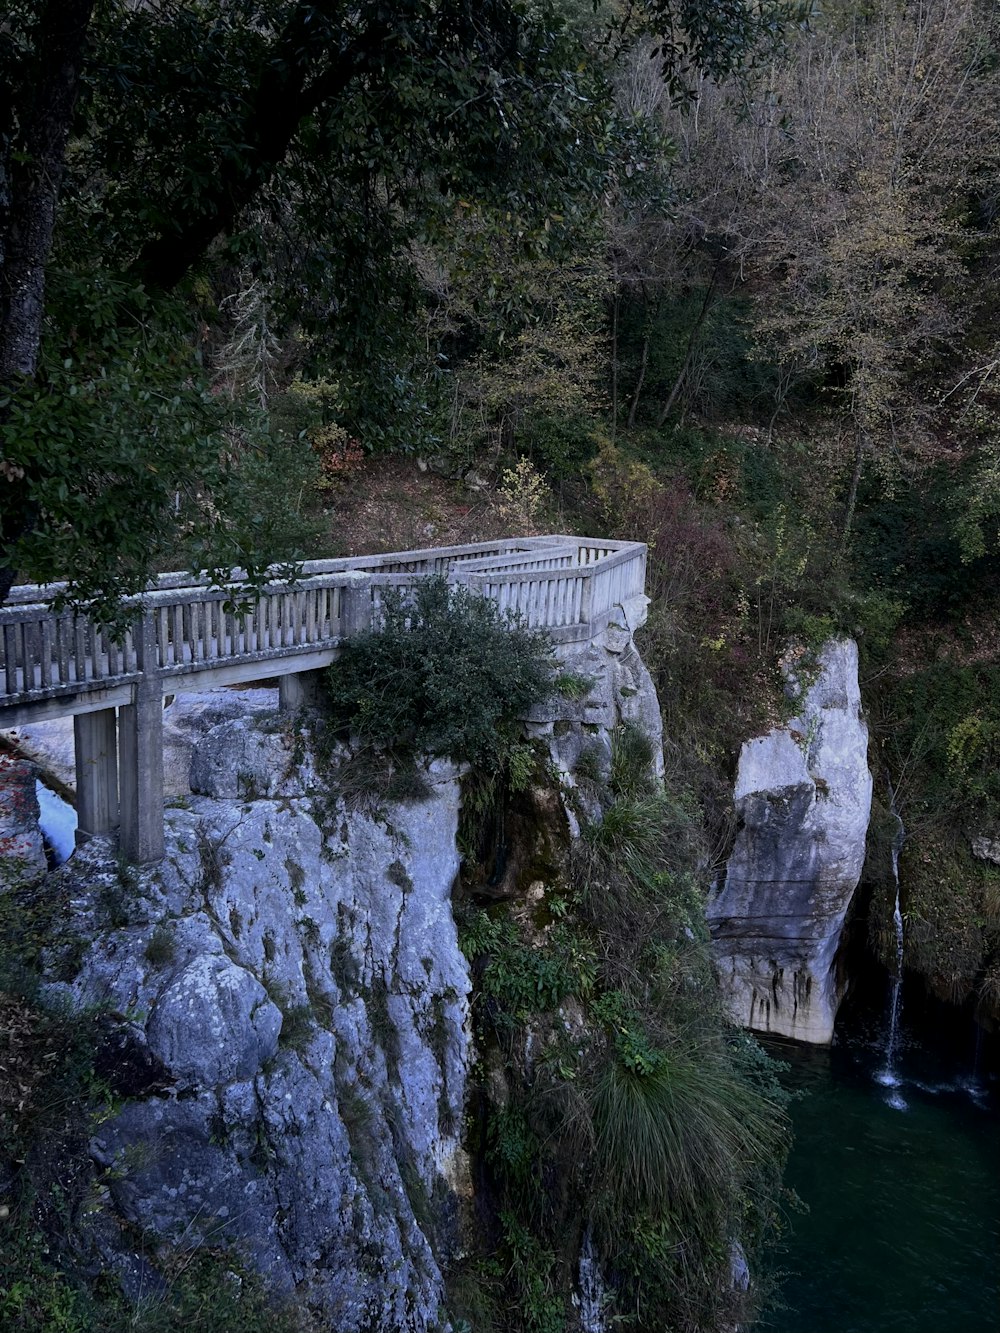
309,143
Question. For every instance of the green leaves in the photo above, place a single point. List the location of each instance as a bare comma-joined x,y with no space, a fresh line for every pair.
128,463
114,433
447,674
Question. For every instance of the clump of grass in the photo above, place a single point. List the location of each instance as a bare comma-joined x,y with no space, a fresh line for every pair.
988,997
591,764
297,1025
408,784
371,777
631,762
162,947
573,685
676,1134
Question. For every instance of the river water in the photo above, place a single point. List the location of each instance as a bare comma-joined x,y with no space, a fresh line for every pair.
901,1183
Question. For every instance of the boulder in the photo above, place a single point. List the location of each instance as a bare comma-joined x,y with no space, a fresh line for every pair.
213,1024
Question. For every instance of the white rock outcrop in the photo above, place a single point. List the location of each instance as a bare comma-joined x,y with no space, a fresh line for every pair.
803,800
298,1040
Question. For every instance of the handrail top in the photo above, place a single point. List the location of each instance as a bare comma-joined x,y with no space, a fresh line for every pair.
478,557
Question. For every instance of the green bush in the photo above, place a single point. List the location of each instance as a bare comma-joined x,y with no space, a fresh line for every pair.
447,675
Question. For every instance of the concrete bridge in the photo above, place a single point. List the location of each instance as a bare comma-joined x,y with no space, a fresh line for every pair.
184,637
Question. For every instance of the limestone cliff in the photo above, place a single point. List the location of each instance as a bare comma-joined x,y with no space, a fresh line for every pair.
290,1008
296,1006
803,798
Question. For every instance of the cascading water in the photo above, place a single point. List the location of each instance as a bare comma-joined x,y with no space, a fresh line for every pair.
592,1292
57,820
888,1075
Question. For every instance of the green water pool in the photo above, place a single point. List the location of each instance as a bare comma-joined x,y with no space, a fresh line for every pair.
902,1187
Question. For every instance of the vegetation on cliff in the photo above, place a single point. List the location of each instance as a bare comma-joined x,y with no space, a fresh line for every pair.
616,1114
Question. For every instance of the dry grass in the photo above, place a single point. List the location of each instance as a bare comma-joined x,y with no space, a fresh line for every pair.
389,504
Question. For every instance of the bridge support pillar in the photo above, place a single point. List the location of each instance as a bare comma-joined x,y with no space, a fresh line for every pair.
95,735
140,762
298,690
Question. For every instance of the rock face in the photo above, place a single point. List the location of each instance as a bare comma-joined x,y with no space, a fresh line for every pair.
292,1006
186,719
22,851
986,849
614,689
294,984
803,799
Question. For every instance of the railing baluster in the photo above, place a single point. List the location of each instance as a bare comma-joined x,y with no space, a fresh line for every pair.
29,634
79,651
46,654
113,656
260,619
204,629
163,637
10,659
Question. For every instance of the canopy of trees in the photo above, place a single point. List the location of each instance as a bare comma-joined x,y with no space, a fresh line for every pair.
156,160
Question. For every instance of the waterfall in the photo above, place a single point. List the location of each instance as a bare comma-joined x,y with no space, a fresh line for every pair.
888,1076
57,820
974,1084
592,1291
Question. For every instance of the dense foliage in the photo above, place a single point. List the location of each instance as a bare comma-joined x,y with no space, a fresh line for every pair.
281,164
444,673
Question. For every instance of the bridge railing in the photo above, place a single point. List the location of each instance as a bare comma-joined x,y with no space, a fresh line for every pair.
567,585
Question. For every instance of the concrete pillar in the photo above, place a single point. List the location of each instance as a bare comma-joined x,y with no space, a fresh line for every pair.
298,690
356,607
96,740
140,757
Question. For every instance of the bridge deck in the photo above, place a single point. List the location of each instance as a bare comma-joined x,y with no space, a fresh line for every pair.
187,635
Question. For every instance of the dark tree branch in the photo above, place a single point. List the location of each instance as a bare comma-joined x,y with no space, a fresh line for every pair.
289,90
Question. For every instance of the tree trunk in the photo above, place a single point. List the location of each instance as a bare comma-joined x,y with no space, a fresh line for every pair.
860,445
36,175
703,313
614,365
36,135
638,384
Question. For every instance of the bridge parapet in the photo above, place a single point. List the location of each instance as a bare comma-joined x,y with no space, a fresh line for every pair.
189,635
